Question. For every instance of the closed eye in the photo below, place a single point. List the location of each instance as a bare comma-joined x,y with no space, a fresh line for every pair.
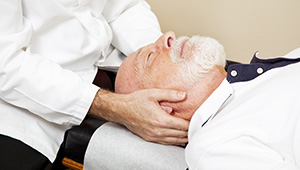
148,57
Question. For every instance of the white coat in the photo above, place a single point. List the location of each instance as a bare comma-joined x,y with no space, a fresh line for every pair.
48,52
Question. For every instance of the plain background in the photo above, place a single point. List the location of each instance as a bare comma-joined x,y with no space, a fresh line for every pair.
271,27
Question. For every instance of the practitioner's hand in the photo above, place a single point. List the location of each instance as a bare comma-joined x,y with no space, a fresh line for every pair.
151,122
141,113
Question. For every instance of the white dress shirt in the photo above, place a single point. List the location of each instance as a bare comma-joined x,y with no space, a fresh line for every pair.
249,125
48,53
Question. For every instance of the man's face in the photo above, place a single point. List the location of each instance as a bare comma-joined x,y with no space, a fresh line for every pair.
170,63
151,67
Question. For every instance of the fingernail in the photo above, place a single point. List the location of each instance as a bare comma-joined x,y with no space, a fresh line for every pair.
181,94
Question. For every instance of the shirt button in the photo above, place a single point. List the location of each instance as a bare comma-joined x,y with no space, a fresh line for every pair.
233,73
260,70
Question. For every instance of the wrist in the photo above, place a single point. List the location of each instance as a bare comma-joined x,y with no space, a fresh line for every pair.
108,105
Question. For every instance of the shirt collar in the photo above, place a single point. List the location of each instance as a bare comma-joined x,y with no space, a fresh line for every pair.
210,107
257,67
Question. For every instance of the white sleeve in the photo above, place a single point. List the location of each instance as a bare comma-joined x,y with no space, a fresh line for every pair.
133,23
32,82
236,153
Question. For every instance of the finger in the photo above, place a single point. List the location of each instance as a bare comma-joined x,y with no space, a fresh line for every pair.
168,95
175,141
167,109
171,122
170,133
160,135
171,141
166,136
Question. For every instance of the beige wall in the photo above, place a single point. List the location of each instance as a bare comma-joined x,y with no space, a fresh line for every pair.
243,27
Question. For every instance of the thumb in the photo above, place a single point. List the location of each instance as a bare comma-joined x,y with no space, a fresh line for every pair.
168,95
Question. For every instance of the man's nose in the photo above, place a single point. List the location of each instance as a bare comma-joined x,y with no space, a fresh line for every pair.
165,40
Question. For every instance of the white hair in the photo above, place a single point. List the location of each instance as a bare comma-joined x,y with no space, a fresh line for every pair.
204,54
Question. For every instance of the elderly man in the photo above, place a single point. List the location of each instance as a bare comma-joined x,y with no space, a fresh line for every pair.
247,119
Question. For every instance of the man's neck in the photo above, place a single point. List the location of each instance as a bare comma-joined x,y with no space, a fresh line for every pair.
205,86
197,93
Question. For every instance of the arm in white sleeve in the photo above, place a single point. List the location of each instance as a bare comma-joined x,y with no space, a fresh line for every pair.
236,153
133,23
31,81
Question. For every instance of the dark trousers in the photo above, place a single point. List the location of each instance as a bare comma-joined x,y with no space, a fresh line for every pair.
15,155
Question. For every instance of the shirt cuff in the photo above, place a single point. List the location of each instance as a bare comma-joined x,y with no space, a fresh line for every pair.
84,103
